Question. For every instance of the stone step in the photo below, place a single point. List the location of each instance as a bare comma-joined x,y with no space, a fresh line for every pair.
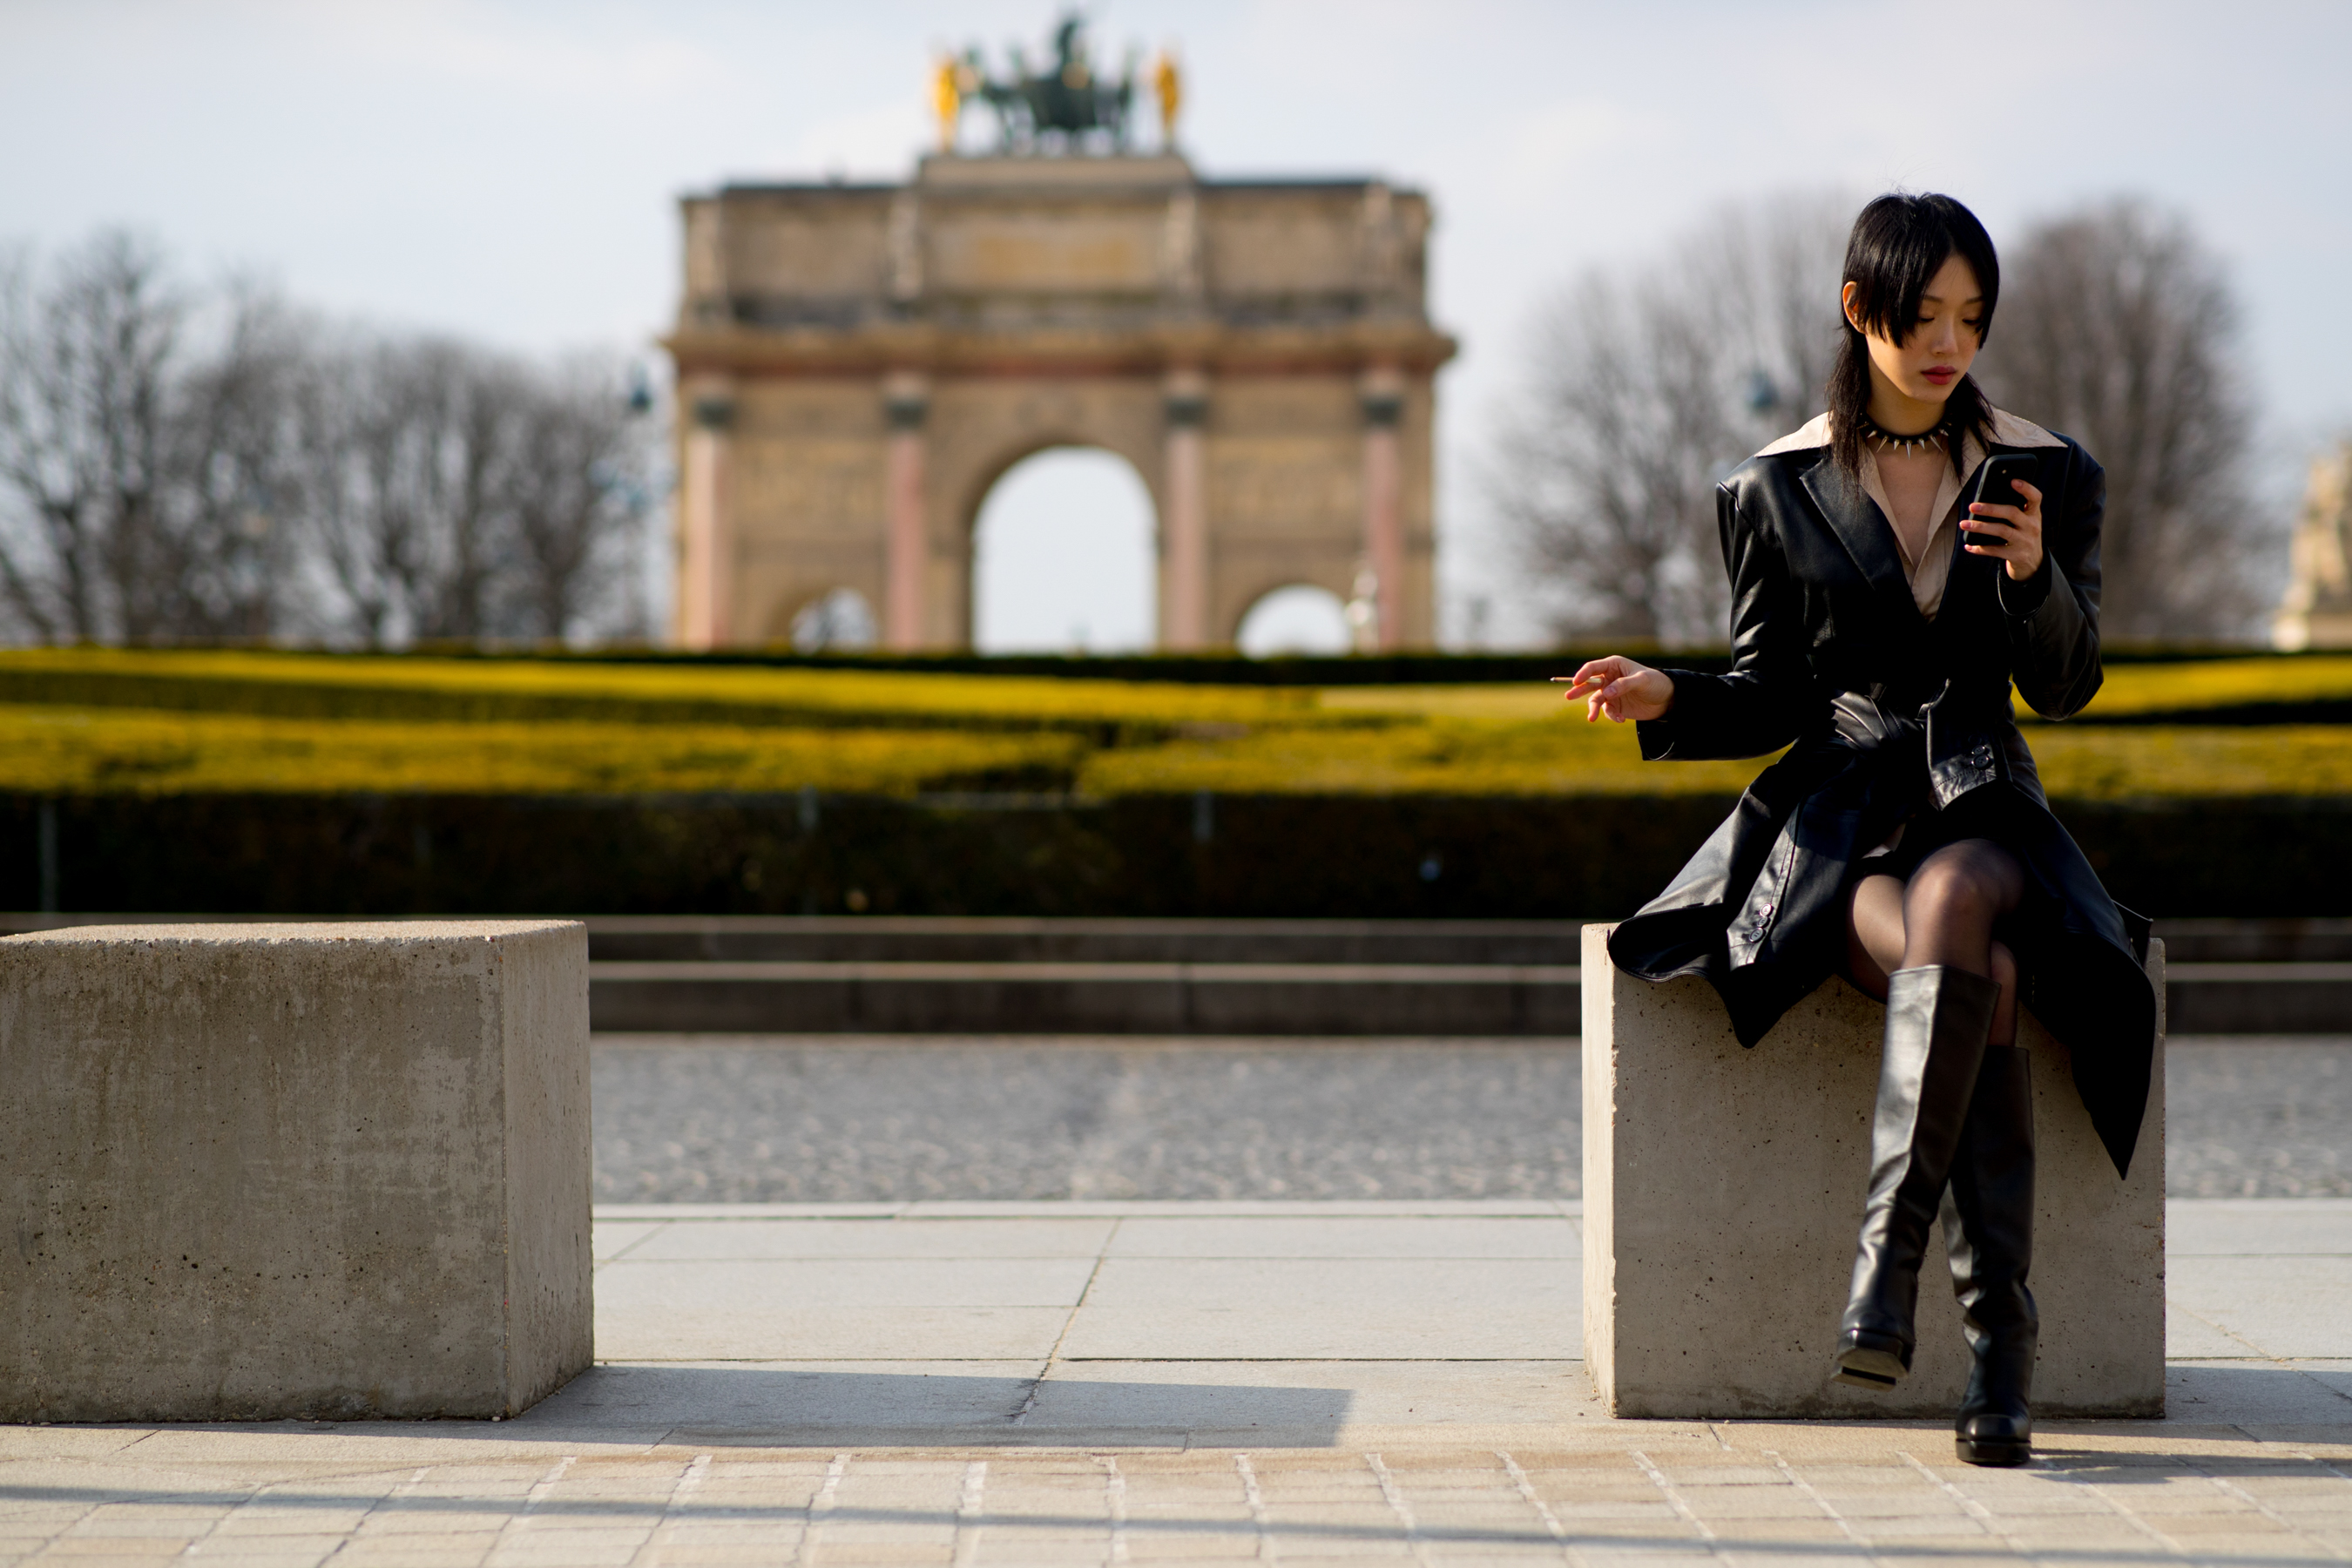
1060,998
1012,939
2257,940
848,974
1391,999
2258,998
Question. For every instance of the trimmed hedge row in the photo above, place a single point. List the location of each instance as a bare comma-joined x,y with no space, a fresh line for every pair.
1361,857
1112,700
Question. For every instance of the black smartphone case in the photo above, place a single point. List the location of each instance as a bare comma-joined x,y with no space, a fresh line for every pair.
1993,486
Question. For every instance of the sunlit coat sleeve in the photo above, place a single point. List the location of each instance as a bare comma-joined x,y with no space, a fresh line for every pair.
1760,705
2054,633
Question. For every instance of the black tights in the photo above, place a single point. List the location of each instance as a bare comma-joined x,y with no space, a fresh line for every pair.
1944,914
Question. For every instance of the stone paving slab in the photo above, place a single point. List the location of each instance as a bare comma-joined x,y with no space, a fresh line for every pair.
712,1433
982,1239
1654,1494
2281,1307
1396,1237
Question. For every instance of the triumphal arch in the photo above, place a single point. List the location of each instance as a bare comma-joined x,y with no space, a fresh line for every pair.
858,364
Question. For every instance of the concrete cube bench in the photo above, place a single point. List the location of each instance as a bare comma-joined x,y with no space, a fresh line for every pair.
264,1171
1723,1189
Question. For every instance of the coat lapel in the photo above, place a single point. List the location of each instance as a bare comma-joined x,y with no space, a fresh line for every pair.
1855,519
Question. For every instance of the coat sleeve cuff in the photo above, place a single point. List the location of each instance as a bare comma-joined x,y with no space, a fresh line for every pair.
2019,600
1656,737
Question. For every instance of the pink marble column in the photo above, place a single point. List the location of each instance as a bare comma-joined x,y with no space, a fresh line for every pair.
1381,391
907,567
1185,529
700,618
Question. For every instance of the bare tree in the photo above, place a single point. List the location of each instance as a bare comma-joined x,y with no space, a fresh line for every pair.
143,450
457,495
575,496
180,464
84,363
234,499
1644,390
2118,327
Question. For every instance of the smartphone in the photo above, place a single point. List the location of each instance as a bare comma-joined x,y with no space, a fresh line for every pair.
1996,479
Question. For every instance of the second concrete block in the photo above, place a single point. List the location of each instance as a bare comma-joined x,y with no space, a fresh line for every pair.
1723,1189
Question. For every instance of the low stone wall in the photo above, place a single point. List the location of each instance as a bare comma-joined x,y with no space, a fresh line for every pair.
264,1171
1723,1189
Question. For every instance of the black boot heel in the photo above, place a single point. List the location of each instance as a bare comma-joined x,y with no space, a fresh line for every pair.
1870,1361
1991,1441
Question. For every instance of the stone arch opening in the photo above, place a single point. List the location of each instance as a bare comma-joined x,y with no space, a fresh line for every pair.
861,364
1295,618
838,620
1062,554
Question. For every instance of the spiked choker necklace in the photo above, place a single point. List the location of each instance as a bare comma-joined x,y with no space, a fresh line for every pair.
1931,439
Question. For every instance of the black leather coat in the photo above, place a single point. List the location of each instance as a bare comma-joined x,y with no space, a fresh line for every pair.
1887,713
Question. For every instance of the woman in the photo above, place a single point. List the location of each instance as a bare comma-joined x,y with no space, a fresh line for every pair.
1903,841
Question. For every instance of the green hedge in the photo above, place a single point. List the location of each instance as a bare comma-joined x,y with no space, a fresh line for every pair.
1361,857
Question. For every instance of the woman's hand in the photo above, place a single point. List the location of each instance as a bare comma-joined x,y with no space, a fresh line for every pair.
2012,533
1621,689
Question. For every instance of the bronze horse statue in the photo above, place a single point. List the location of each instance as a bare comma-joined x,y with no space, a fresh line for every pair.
1067,100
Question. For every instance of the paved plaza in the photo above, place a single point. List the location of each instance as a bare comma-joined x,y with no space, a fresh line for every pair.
1130,1381
1065,1301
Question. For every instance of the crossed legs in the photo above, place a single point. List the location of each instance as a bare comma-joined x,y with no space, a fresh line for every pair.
1953,1128
1943,915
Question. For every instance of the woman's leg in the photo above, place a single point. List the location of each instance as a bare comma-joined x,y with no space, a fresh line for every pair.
1935,959
1988,1234
1877,930
1942,921
1874,933
1948,909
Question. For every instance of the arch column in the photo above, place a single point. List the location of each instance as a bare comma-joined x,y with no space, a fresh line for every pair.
907,555
704,539
1381,395
1184,544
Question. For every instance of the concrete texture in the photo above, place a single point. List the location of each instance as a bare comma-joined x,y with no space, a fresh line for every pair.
258,1171
1723,1189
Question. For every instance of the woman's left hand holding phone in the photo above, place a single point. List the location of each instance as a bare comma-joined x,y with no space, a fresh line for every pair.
2011,533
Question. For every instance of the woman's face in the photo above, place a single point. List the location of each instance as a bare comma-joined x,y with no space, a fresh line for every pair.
1929,363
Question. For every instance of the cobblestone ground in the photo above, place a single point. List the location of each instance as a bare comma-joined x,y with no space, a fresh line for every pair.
784,1122
2251,1120
1767,1500
788,1123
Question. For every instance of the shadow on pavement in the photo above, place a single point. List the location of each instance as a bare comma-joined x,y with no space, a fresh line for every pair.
735,1405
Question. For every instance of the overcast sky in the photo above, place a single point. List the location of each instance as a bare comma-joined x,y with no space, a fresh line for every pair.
509,170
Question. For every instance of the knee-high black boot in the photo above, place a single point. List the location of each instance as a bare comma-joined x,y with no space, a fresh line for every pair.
1988,1231
1937,1019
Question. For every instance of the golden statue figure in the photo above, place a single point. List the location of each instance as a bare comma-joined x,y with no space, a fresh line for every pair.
947,100
1168,81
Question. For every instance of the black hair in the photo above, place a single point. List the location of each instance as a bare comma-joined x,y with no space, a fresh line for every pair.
1897,245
